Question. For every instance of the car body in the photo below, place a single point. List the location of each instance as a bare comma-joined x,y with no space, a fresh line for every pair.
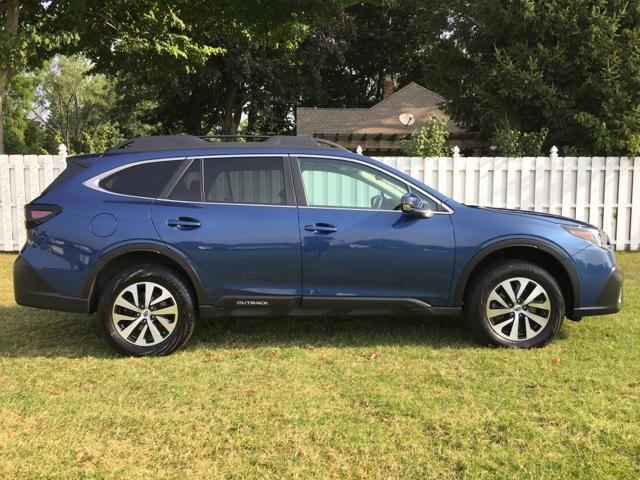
291,226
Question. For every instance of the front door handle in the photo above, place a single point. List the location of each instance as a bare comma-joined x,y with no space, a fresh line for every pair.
184,223
321,228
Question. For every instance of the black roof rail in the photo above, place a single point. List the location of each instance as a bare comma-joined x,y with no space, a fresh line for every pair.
173,142
226,137
159,142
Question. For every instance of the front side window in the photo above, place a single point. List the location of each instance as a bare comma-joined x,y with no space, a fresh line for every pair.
343,184
142,180
251,180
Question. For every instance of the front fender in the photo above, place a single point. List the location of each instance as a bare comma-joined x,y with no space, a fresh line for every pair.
503,244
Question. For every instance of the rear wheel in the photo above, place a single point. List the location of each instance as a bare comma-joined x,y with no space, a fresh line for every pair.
515,304
147,310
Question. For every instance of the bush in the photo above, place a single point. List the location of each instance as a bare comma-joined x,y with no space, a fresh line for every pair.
514,143
429,141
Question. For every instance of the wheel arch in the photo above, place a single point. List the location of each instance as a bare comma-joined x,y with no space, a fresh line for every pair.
128,255
536,251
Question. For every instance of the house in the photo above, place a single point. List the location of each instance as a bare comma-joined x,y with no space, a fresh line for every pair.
380,128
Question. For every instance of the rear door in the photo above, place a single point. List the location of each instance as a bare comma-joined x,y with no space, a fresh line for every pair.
235,219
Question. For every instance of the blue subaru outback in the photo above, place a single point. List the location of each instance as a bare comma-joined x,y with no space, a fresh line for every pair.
160,231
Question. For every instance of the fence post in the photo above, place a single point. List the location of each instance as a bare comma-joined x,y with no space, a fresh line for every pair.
457,187
62,150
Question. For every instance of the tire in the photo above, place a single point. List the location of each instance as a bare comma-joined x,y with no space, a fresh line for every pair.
539,305
134,329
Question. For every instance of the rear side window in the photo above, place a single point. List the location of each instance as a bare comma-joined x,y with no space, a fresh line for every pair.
143,180
255,180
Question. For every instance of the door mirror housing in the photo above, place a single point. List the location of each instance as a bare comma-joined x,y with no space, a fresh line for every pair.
413,205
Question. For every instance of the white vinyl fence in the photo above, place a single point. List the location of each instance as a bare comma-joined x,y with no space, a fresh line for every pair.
604,191
22,178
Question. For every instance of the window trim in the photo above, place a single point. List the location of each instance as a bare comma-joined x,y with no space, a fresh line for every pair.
301,193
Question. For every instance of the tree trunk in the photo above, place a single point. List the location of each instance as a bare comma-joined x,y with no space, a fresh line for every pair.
6,72
229,125
252,118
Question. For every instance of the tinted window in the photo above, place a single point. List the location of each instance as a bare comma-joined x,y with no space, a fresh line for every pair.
143,180
189,187
258,180
343,184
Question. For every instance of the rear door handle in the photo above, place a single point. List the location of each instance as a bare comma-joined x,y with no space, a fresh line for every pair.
321,228
184,223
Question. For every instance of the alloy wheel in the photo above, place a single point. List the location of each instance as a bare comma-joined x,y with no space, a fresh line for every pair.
518,309
145,313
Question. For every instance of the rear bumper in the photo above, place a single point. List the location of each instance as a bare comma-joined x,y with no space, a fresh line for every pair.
32,291
610,299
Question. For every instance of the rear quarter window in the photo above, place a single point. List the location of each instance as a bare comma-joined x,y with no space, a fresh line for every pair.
142,180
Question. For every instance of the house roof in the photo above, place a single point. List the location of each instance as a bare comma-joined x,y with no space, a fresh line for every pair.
383,117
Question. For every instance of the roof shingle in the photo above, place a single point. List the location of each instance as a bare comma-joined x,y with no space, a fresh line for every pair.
383,117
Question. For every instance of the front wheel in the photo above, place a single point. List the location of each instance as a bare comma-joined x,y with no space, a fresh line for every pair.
515,304
147,310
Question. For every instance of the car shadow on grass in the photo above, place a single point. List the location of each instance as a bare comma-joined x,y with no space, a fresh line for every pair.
26,332
336,332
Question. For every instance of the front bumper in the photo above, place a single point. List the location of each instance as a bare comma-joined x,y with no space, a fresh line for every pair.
32,291
609,300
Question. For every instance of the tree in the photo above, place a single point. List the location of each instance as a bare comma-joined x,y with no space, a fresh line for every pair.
75,105
343,64
22,133
572,67
9,32
203,63
30,31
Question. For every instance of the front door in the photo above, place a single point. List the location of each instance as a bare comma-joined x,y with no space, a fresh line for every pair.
357,243
235,219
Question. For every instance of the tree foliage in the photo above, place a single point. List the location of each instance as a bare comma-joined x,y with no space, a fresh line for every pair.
205,63
343,64
74,105
22,133
514,143
509,68
572,67
30,32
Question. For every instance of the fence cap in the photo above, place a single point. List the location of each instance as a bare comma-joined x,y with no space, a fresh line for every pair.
62,149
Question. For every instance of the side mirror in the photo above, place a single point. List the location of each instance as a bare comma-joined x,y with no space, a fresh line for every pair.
414,206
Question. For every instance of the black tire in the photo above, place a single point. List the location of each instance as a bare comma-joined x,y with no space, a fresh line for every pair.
488,331
182,323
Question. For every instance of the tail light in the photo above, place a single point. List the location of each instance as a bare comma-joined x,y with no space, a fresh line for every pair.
36,214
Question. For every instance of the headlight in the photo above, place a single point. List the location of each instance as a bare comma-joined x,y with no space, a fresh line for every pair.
592,235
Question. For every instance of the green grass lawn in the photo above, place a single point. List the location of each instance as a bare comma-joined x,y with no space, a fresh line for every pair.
321,398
